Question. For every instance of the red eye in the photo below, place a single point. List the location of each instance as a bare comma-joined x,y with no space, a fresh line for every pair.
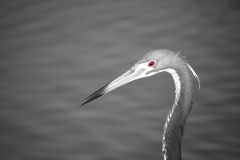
151,63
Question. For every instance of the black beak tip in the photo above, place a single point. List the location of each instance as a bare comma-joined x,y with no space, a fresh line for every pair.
91,98
87,101
82,103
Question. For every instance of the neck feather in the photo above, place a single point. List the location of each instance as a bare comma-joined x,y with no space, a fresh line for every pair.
176,119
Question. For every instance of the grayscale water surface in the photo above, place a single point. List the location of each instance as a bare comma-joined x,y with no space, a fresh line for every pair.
53,54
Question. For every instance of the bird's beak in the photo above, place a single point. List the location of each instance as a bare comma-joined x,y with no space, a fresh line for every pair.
132,74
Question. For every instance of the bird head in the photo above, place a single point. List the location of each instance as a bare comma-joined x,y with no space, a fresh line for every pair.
151,63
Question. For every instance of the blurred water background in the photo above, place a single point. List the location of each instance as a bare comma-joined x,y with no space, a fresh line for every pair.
53,54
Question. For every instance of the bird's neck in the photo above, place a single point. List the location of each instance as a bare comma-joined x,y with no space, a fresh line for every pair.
176,119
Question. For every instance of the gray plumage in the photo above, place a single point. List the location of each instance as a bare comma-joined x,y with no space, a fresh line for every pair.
154,62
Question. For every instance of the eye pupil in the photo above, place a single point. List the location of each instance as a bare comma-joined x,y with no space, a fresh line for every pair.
151,63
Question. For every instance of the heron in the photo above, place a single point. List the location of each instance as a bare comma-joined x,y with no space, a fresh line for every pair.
154,62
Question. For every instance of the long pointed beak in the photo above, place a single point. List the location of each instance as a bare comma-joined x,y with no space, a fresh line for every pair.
127,77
